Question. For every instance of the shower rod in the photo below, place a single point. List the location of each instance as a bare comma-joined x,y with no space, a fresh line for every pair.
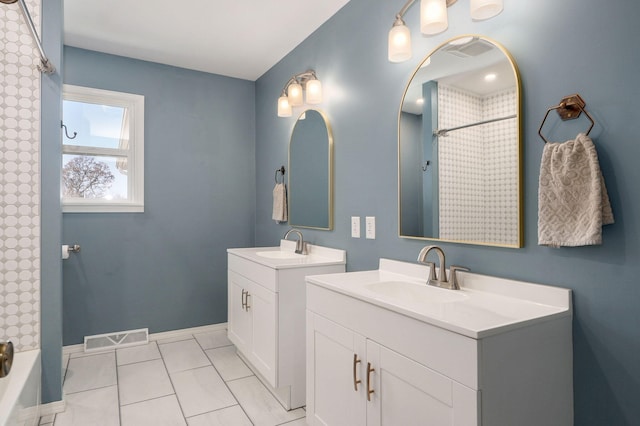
45,65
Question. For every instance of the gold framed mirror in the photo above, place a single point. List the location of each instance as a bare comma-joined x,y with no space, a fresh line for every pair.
311,172
460,146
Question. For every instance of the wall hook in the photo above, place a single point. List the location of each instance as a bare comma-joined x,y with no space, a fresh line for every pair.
66,133
426,165
281,170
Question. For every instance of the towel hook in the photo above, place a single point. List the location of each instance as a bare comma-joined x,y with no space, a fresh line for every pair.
281,171
569,108
66,133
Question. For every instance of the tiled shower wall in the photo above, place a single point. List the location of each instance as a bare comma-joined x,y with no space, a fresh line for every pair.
19,179
477,200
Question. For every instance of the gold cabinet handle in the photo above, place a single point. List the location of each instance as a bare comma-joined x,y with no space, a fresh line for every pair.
244,303
356,361
369,390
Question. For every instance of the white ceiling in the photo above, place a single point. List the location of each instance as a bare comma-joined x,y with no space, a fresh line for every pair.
237,38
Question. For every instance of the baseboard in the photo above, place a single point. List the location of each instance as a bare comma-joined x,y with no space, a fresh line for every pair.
52,408
172,334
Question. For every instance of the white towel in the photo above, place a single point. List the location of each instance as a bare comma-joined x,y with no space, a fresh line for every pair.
573,203
280,203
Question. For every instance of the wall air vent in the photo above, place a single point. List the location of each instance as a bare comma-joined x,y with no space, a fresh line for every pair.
120,339
475,47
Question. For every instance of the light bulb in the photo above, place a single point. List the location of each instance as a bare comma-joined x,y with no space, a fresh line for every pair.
284,109
485,9
314,92
433,16
399,42
295,94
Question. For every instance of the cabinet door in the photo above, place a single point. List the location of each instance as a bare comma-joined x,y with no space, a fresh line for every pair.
262,304
407,393
334,397
239,319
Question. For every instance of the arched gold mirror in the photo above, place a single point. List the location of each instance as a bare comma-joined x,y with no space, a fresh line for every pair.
459,146
311,172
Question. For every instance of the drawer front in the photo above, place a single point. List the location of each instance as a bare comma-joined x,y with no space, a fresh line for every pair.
255,272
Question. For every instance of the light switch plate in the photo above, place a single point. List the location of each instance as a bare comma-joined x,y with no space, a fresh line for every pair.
370,226
355,226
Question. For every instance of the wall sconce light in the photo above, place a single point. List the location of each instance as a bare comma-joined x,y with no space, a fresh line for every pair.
433,20
292,92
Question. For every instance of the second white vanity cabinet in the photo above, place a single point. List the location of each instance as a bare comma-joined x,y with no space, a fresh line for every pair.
383,349
266,311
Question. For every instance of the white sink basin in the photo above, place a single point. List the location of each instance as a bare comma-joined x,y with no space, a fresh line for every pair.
484,306
418,292
278,254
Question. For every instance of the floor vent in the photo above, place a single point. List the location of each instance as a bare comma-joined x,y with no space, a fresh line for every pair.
120,339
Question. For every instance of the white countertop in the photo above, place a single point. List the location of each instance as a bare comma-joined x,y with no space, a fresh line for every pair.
316,255
484,305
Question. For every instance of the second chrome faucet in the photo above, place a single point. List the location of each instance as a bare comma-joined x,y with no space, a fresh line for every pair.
300,245
441,279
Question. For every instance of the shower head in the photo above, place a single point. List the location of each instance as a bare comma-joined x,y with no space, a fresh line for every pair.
8,1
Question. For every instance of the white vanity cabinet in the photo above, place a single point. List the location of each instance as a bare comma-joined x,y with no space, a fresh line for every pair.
373,361
357,381
266,312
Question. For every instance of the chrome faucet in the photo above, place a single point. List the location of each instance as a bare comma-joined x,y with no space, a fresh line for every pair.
442,280
300,245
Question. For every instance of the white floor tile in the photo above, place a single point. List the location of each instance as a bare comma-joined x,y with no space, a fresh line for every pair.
137,353
143,380
98,407
201,390
183,355
173,339
261,407
82,354
299,422
224,417
90,372
228,363
47,420
163,411
213,339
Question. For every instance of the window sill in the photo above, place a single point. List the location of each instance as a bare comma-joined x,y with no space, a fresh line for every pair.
102,208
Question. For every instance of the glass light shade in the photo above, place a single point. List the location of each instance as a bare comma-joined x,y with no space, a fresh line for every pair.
284,109
485,9
295,94
314,92
433,16
399,43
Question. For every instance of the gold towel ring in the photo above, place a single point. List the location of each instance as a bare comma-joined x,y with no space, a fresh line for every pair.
569,108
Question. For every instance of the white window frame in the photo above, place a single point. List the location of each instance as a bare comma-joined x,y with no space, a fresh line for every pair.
134,154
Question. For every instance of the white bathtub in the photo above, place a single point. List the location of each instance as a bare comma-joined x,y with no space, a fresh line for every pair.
20,391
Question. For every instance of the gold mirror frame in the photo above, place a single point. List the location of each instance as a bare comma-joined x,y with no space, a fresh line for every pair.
520,196
292,172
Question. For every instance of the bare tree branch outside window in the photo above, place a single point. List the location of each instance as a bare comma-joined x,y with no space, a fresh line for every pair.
84,177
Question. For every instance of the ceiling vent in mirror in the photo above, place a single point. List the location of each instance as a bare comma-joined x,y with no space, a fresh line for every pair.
475,47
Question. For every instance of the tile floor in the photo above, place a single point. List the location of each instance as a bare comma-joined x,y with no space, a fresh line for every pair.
198,380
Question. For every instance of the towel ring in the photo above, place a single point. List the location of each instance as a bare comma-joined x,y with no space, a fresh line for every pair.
281,171
569,108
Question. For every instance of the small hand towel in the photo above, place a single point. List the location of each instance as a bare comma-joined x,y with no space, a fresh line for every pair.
573,203
280,203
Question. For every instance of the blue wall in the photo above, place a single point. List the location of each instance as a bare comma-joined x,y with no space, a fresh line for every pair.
165,268
51,214
585,46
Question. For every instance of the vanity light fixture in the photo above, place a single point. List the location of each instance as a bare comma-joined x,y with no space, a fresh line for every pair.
292,93
433,20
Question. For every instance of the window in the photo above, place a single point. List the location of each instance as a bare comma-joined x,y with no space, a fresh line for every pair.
103,166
